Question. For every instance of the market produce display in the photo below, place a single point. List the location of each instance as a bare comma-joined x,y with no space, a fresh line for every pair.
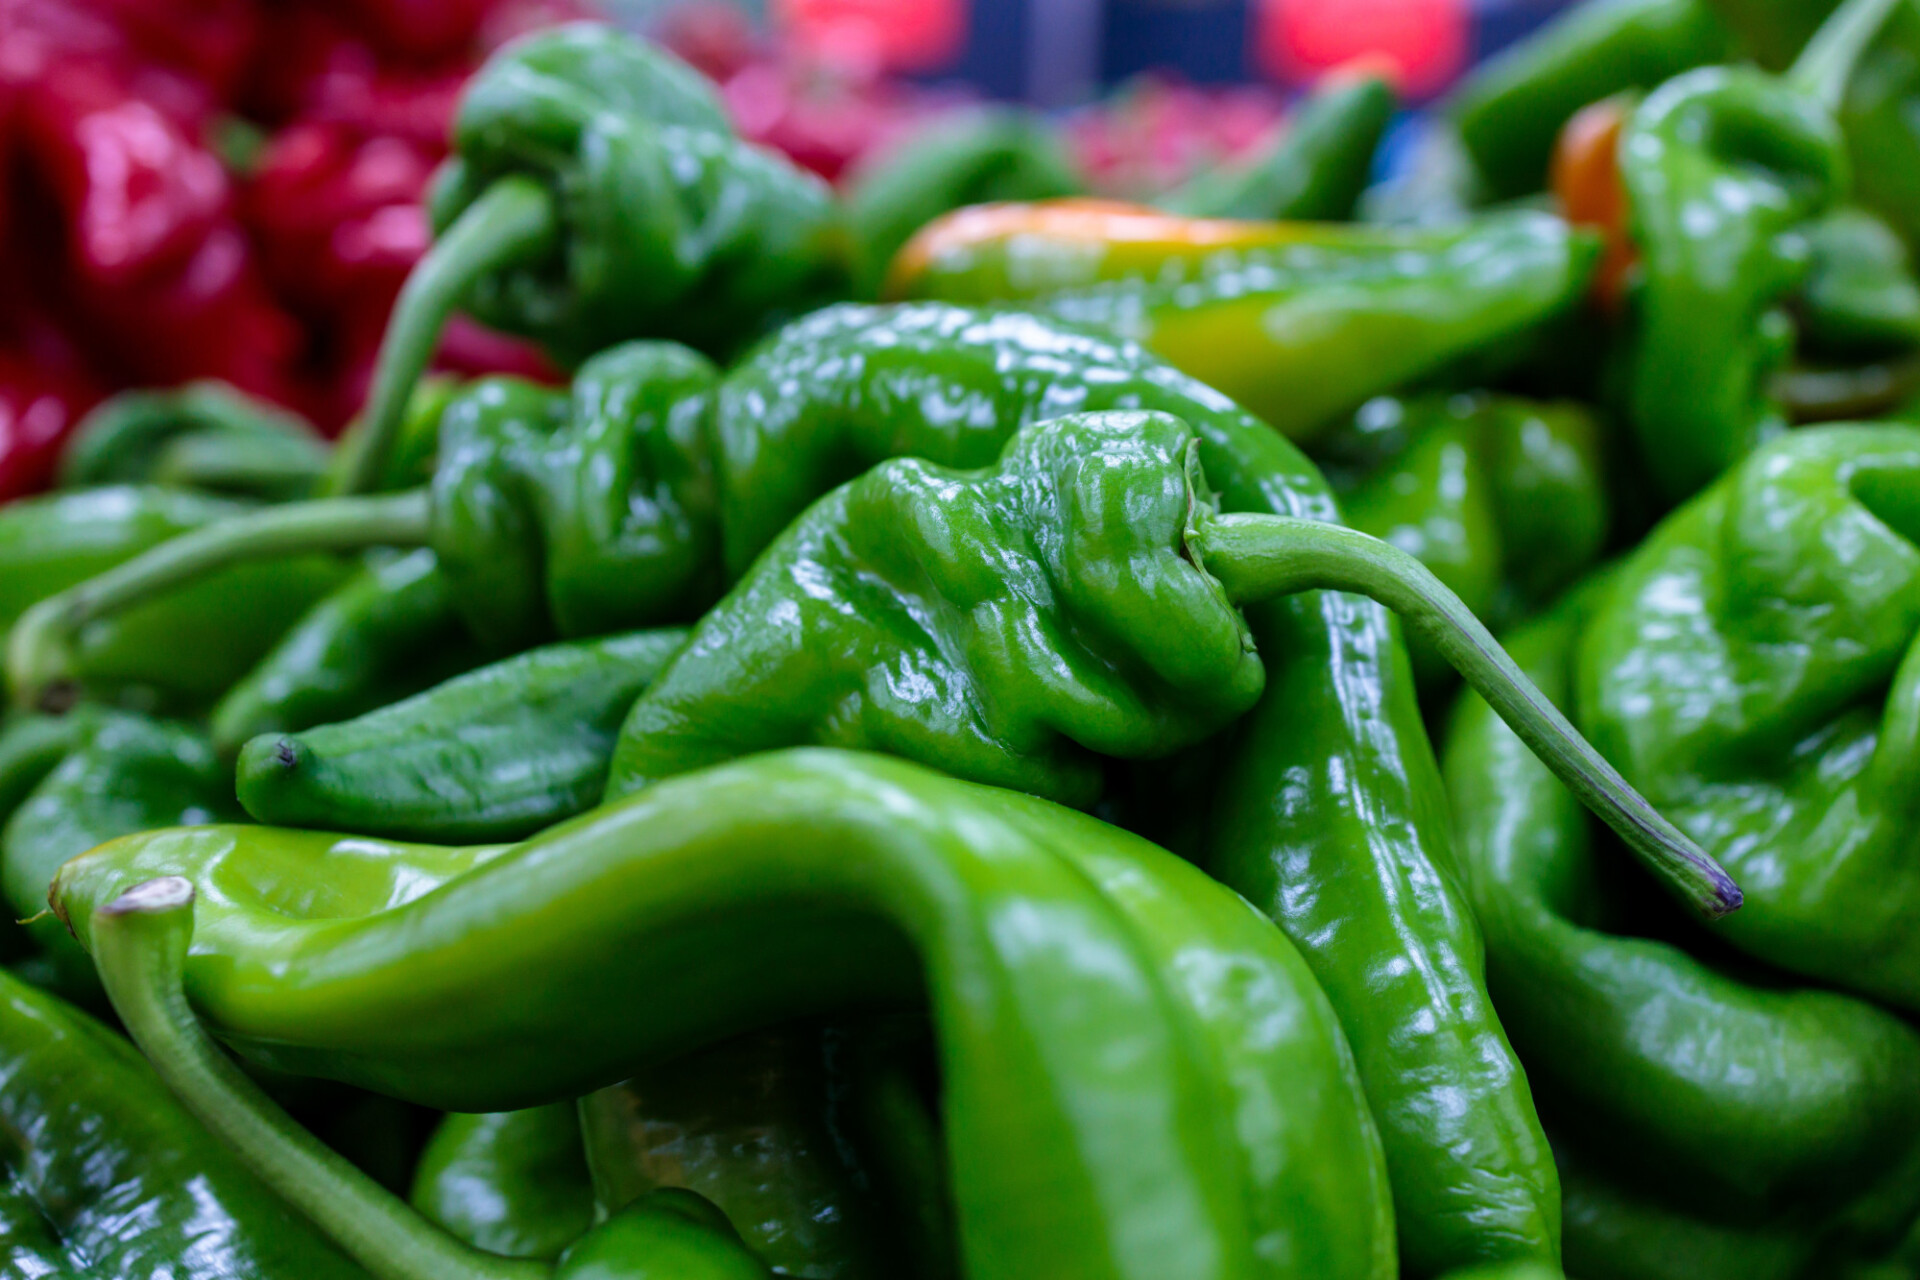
963,717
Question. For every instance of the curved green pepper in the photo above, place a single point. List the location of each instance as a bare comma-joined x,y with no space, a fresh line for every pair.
102,1174
495,754
1140,1077
1313,172
1754,670
597,193
1721,1096
990,153
513,1183
1860,298
204,435
1298,322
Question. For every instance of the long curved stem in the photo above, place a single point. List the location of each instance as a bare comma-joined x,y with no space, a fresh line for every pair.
1260,556
1823,68
513,221
140,941
40,649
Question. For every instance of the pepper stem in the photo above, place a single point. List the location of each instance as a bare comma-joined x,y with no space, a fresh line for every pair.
512,221
140,943
1256,557
41,650
1823,68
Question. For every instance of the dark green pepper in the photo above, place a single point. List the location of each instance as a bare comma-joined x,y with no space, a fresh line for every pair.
598,193
1313,172
204,435
102,1174
494,754
1860,298
1139,1076
991,153
513,1183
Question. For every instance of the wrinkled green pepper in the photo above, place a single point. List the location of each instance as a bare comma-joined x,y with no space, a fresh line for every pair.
991,153
1759,1129
597,193
1313,172
495,754
1298,322
1860,298
204,435
513,1183
1504,499
1139,1075
102,1174
1511,108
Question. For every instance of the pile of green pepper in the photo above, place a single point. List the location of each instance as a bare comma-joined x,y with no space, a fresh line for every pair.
947,786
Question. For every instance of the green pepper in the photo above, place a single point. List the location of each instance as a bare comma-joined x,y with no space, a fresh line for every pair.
1720,1094
990,153
751,1125
1337,733
117,773
102,1174
495,754
597,193
204,435
1511,108
1139,1076
386,633
1314,171
1298,322
180,652
1754,671
1860,298
1725,168
1504,499
513,1183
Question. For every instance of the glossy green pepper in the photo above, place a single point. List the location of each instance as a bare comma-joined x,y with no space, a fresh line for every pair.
1759,1129
1139,1076
1313,172
102,1174
513,1183
598,193
1754,671
494,754
204,435
991,153
118,773
1511,108
1504,499
1725,169
1331,771
1299,322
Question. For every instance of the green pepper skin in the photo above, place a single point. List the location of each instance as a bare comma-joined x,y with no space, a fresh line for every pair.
1313,172
1504,499
204,435
510,1182
1860,299
102,1174
410,459
992,153
671,223
495,754
750,1125
1140,1077
180,652
1755,672
1716,1097
120,773
1510,110
1299,322
1724,167
387,633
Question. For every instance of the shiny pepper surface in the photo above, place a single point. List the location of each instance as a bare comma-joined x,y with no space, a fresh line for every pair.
103,1175
1719,1122
1140,1078
1755,670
